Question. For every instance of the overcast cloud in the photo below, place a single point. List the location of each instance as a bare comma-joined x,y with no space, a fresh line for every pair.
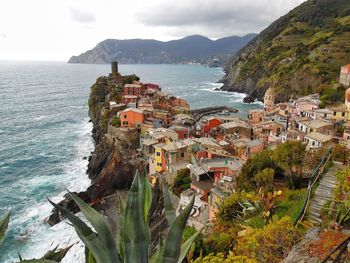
82,16
216,18
58,29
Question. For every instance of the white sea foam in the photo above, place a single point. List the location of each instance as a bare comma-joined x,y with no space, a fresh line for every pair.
39,236
40,117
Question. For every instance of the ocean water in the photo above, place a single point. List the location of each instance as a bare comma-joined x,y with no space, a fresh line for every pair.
45,135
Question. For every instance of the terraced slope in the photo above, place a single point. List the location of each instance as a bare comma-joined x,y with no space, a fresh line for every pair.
300,53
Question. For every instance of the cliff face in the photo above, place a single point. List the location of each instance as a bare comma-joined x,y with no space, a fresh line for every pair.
111,167
189,49
298,54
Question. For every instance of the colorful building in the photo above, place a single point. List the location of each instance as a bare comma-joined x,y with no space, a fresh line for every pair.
133,89
269,100
132,118
207,124
345,75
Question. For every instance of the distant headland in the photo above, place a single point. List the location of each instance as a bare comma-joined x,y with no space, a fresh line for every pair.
189,50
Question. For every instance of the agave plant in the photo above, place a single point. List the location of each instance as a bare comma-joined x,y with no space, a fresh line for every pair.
53,256
4,222
133,242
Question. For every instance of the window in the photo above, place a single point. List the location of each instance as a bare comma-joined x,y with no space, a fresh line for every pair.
159,164
182,154
125,116
343,114
158,153
313,143
334,113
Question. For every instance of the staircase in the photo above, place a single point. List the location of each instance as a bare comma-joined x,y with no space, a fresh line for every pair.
323,193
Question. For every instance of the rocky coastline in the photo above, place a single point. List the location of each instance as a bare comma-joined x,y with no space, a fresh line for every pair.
110,169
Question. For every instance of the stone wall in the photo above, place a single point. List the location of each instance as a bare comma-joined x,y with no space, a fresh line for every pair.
126,135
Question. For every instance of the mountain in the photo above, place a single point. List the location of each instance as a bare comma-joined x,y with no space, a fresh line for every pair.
191,49
298,54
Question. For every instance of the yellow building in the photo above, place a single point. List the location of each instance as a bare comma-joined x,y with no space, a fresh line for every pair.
340,112
159,157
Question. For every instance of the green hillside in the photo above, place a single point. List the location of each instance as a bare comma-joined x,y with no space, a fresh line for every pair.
300,53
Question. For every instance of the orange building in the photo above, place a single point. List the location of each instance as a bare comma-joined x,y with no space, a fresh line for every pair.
132,118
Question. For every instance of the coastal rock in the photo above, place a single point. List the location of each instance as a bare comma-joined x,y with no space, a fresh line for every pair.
248,99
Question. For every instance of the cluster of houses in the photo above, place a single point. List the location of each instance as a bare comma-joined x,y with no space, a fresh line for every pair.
212,150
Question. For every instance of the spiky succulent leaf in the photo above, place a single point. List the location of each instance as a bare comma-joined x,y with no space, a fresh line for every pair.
89,257
101,226
185,247
135,230
172,245
145,196
158,256
90,239
56,254
168,206
4,222
120,236
38,261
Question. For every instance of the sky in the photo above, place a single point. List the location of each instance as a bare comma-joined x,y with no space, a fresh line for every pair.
57,29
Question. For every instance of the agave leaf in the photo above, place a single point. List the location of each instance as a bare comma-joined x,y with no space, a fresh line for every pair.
172,245
4,222
187,245
145,196
168,206
135,229
90,239
157,257
101,226
57,254
38,261
89,257
120,236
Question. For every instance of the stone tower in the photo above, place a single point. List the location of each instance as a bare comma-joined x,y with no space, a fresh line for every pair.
269,99
345,75
114,66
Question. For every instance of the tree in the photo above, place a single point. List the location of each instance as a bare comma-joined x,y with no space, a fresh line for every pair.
290,157
257,163
264,179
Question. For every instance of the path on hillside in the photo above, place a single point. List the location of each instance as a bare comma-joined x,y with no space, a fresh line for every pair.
323,193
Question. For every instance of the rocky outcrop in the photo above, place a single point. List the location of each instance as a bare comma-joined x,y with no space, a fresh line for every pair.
299,253
110,167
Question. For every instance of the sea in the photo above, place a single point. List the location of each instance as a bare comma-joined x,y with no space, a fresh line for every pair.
45,137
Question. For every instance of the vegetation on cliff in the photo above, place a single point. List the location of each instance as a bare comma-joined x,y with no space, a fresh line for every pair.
301,52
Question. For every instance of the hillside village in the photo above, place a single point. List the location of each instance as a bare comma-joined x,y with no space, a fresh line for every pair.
203,157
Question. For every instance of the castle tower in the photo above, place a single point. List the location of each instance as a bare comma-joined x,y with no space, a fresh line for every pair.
114,66
345,75
269,99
